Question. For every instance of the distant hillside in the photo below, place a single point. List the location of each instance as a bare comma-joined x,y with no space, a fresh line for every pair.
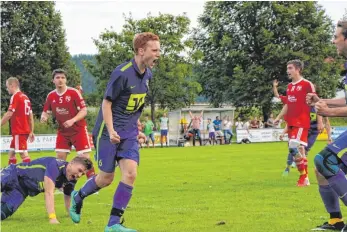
88,81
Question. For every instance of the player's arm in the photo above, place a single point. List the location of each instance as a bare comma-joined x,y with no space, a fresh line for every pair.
108,119
82,113
46,110
49,187
328,128
31,124
191,115
281,114
7,116
339,102
320,124
274,88
285,131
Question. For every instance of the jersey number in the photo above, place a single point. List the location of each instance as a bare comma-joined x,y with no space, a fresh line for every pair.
61,100
26,107
135,102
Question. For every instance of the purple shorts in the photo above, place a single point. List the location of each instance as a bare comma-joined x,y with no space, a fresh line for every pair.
108,154
211,135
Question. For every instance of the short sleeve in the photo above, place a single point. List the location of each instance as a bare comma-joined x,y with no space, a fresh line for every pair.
114,87
78,99
47,105
283,99
13,103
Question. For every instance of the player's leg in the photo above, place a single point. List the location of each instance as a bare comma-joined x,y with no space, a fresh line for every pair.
328,165
128,162
331,203
21,146
194,136
311,139
106,158
83,148
231,136
152,138
199,136
11,153
62,146
290,160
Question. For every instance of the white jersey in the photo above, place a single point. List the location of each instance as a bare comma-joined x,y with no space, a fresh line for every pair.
210,128
227,125
246,125
239,125
163,123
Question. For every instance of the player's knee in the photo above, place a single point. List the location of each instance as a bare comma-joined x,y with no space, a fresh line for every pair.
62,155
327,163
6,211
104,180
129,176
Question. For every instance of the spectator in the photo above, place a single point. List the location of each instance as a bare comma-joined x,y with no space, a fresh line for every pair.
261,123
217,126
247,124
148,131
211,131
184,125
163,129
254,123
239,124
270,121
227,129
196,122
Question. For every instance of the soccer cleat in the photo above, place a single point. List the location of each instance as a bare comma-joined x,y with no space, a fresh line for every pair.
118,228
75,208
285,173
303,181
293,165
338,226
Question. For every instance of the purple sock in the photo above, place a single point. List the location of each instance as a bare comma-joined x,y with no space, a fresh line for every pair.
339,184
121,199
329,198
88,188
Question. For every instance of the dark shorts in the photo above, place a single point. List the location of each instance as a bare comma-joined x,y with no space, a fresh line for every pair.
339,144
150,136
311,139
108,154
163,132
211,135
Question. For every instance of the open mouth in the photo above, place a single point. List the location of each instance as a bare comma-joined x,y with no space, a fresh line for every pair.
73,177
155,62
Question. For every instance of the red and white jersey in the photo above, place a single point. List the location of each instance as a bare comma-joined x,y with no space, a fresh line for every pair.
20,105
298,113
65,106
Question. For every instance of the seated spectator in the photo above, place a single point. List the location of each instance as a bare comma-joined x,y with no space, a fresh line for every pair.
261,123
270,121
239,124
254,123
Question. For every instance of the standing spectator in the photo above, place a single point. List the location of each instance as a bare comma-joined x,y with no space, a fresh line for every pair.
148,130
270,121
163,128
239,124
261,123
196,121
211,131
247,124
227,129
217,126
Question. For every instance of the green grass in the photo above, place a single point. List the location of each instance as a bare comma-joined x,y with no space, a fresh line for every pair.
194,188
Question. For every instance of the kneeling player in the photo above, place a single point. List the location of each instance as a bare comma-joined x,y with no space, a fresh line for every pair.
40,175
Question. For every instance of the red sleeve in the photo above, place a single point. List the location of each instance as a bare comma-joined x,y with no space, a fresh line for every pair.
47,106
283,99
78,99
310,88
13,103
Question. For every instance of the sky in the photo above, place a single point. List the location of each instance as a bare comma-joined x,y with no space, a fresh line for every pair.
85,20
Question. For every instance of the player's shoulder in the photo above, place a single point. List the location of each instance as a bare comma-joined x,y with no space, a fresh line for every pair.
53,93
71,90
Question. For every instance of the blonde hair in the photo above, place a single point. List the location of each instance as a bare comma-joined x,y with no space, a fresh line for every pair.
13,80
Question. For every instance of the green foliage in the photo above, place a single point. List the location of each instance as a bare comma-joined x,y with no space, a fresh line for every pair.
173,85
246,45
91,118
39,128
88,80
32,45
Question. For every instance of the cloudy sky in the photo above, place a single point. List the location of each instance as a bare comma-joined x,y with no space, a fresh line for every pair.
85,20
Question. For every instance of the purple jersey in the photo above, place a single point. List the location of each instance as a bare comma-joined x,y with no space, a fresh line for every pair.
31,175
126,89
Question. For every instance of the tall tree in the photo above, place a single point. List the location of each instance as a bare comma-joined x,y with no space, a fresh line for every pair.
173,84
246,45
88,80
32,45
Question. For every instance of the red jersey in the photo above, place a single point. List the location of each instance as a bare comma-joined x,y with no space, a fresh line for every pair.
20,105
298,113
65,106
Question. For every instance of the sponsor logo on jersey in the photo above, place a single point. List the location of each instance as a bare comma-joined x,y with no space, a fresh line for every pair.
62,111
292,98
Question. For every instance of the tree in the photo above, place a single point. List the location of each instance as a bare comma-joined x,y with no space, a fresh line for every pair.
88,80
173,85
246,45
32,45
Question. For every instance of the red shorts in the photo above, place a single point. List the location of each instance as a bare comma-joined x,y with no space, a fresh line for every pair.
19,143
80,141
299,134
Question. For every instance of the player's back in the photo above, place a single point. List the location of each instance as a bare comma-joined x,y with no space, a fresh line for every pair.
298,114
64,107
31,175
20,105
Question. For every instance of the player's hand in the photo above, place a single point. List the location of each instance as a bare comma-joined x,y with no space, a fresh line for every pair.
43,119
322,108
275,83
141,137
312,98
276,122
69,123
281,137
330,140
54,221
114,137
320,127
31,137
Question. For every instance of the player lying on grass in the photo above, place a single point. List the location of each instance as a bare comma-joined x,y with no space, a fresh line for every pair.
41,175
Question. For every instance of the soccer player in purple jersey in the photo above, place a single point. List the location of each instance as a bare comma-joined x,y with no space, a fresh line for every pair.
331,169
115,131
18,181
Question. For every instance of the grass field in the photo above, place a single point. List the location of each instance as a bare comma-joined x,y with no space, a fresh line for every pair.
193,189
